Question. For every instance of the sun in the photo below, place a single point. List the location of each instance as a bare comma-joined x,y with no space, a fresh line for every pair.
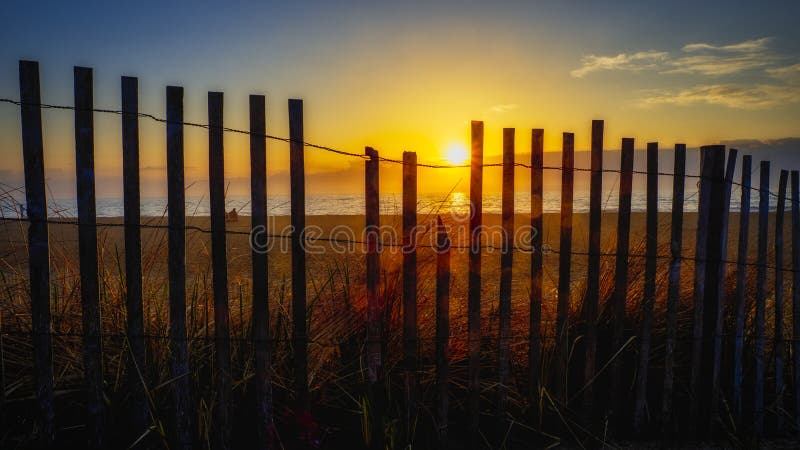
456,154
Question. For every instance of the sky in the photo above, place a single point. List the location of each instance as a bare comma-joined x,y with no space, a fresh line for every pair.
404,76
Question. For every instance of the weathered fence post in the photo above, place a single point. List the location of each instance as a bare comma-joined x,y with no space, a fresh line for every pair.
38,245
673,294
139,411
410,332
564,267
741,293
442,329
780,346
262,345
701,248
761,298
535,336
796,292
474,282
593,268
723,213
298,212
620,295
176,221
648,300
506,265
87,252
222,343
374,304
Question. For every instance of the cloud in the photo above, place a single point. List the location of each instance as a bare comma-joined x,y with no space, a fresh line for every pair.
623,61
787,73
503,108
752,46
734,96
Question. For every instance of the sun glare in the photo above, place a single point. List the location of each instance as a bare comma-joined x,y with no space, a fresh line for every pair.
457,154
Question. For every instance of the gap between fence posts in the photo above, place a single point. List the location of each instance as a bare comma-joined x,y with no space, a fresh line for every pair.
410,330
673,293
139,409
564,267
649,288
760,300
38,247
442,330
504,291
176,236
260,294
741,285
535,333
780,346
298,219
219,269
620,295
474,282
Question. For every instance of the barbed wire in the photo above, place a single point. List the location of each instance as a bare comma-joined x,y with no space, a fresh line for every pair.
545,250
362,156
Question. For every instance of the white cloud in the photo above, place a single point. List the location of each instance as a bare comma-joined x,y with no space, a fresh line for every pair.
786,73
500,109
730,95
755,45
623,61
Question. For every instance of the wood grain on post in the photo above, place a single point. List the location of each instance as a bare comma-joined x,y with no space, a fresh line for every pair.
139,409
442,330
260,295
176,261
722,270
741,286
535,334
298,212
506,265
410,331
780,345
796,292
649,298
620,295
673,294
761,299
474,281
38,246
564,267
373,266
87,253
701,247
592,297
219,268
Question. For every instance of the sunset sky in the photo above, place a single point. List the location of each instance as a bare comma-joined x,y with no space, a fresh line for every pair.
406,76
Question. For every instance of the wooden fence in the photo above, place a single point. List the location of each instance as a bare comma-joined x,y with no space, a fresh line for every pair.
627,410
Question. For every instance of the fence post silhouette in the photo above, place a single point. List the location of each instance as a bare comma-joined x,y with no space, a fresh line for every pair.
139,411
649,287
593,268
701,249
474,281
564,268
620,296
298,211
410,332
442,330
375,305
796,292
504,301
535,333
673,293
780,348
761,298
87,254
222,343
176,220
741,284
38,246
262,346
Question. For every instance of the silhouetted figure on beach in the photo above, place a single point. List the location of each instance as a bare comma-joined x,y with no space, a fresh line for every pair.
232,216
